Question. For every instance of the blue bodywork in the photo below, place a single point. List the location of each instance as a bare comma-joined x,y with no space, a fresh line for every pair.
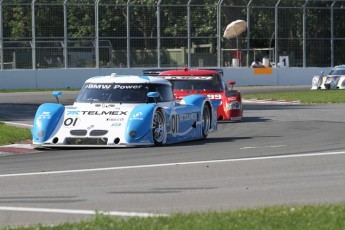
47,118
126,125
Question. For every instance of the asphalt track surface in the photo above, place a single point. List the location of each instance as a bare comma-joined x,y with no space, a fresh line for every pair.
281,154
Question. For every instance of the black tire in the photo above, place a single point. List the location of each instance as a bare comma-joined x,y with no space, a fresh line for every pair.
158,127
206,121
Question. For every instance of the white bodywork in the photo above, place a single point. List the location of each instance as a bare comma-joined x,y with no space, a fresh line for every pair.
334,80
118,111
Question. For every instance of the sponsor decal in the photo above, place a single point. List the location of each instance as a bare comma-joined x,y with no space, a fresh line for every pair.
104,113
116,113
73,112
115,119
187,116
45,115
178,97
98,86
128,86
116,124
137,116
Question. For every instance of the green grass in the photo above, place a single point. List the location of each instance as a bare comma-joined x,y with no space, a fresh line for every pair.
308,217
10,134
305,96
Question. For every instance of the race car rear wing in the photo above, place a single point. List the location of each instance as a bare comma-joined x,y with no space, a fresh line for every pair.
156,72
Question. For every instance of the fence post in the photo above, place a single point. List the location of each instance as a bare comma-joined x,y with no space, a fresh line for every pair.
1,38
159,33
219,32
65,45
276,45
128,34
189,35
332,34
248,29
304,35
33,29
96,34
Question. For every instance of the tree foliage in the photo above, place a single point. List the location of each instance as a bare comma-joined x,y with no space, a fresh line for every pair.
143,18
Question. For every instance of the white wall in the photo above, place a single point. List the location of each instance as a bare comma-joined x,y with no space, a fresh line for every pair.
74,78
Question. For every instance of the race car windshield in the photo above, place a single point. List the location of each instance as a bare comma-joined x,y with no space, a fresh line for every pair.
197,84
337,72
123,93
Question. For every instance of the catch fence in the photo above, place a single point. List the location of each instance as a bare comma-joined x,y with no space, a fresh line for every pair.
38,34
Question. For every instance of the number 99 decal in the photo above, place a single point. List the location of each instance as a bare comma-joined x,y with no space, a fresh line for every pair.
214,97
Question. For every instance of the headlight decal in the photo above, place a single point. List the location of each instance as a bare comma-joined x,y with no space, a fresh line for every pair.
233,105
317,81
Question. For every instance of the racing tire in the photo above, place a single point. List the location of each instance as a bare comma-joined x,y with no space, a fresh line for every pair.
158,127
206,121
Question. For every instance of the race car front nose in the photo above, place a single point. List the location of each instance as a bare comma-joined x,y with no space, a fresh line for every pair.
316,82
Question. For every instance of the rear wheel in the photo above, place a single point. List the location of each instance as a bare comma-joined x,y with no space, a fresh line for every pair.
206,121
158,127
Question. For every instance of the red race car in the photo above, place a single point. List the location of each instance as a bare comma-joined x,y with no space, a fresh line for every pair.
207,82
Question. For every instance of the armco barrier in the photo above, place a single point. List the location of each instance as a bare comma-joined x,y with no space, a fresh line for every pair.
74,78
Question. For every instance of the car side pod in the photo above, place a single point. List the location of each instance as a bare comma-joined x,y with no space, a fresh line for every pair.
195,99
139,124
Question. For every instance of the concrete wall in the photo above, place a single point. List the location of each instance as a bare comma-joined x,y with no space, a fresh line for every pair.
74,78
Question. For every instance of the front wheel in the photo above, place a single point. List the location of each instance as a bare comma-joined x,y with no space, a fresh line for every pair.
158,127
206,121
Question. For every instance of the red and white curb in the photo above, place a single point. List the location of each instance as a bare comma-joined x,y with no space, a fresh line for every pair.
16,149
279,102
12,149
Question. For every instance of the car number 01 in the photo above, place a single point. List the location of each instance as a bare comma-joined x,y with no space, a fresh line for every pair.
70,121
174,124
214,97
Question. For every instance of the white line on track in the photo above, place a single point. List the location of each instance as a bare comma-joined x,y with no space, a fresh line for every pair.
136,214
255,101
268,146
80,212
173,164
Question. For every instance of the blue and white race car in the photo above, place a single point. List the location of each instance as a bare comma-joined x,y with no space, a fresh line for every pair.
120,111
334,80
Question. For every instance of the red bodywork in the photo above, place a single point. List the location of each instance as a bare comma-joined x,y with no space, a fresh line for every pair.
208,83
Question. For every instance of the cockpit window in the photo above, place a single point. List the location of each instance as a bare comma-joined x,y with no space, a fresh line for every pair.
123,93
337,72
197,83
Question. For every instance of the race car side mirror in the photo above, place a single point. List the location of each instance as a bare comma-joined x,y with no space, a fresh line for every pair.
57,94
232,83
322,73
153,95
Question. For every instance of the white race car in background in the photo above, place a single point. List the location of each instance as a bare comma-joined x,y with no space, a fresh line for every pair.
334,80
